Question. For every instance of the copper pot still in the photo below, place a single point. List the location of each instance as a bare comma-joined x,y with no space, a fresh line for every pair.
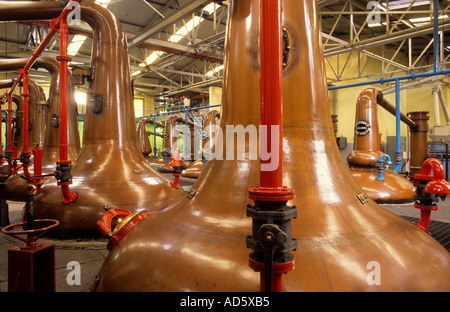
364,160
110,170
16,131
46,134
199,244
14,185
195,169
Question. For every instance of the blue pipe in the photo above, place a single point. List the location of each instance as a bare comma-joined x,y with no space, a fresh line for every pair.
398,150
381,167
412,76
182,110
168,113
167,150
436,34
206,154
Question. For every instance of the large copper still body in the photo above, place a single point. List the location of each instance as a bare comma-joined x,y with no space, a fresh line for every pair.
110,170
363,160
199,244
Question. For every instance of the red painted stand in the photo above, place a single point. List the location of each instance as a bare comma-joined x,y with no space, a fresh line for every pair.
31,266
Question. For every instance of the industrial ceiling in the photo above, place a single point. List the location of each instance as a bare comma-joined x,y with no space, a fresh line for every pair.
177,46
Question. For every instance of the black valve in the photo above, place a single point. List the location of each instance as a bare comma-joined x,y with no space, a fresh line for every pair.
398,157
25,158
8,156
271,241
63,173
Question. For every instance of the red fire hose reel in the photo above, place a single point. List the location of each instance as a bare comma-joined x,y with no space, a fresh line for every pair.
125,222
430,186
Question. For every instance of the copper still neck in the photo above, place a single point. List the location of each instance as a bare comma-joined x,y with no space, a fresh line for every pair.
418,141
367,142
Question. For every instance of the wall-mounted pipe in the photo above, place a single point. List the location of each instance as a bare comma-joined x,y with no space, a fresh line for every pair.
437,116
444,105
412,76
398,155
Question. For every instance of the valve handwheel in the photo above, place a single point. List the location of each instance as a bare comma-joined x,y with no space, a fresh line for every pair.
30,241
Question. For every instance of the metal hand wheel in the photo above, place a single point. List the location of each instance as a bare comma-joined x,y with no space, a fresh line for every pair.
30,240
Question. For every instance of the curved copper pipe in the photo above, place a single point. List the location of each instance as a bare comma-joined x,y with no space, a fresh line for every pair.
381,100
144,143
171,132
20,10
209,120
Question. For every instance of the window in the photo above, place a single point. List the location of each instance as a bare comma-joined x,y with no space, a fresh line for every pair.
81,99
138,107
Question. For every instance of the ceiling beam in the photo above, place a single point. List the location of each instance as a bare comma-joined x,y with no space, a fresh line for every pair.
192,7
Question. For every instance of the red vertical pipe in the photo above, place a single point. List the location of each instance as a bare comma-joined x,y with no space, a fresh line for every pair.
26,96
64,59
10,110
1,137
63,93
271,85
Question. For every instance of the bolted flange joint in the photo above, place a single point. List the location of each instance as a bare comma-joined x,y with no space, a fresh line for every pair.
271,241
63,173
25,158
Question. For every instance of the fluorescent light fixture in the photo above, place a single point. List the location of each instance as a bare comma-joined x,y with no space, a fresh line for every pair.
152,58
210,8
103,3
401,4
180,34
136,72
425,19
75,44
183,31
214,71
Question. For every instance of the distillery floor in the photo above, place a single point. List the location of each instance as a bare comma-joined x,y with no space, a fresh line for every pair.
91,254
